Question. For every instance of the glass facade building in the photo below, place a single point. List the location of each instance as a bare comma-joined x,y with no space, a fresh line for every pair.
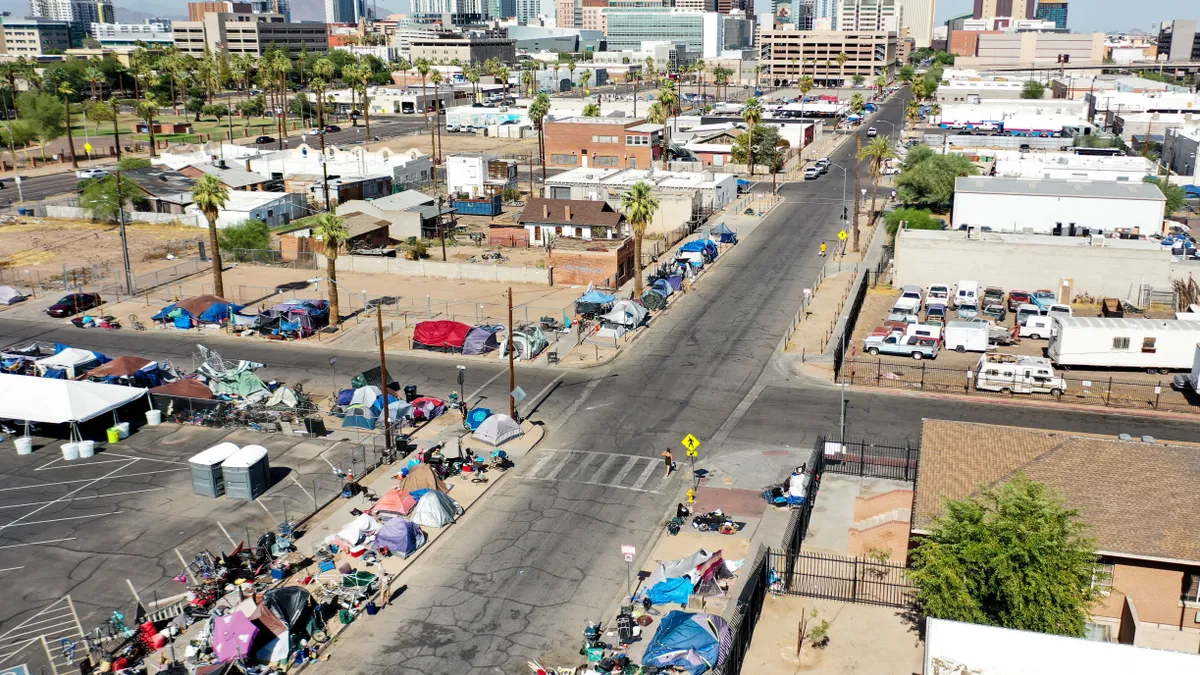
1052,11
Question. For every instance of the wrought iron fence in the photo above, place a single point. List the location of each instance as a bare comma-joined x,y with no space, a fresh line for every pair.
747,611
863,458
867,581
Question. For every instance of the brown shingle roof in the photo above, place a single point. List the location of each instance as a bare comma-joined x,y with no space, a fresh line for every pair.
1137,498
583,212
359,223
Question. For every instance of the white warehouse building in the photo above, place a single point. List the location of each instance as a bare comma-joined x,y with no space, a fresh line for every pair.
1057,206
1069,166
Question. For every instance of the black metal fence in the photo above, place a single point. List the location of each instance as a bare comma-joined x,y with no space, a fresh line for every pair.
843,341
748,609
846,578
864,458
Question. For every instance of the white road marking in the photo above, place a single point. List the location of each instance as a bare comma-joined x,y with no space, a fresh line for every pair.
78,499
645,475
601,469
625,469
39,543
541,463
568,457
85,480
484,386
59,520
566,460
537,400
10,569
306,492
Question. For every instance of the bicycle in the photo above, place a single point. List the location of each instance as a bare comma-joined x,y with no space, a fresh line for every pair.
68,650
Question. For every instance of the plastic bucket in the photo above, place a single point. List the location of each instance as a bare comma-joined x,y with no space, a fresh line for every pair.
122,429
24,445
113,435
153,418
87,448
70,451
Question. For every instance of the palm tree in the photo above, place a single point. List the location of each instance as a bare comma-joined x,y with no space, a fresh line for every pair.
805,85
857,104
472,74
881,83
585,76
877,153
526,80
669,97
857,189
912,112
571,68
700,67
658,115
423,67
591,110
537,115
435,78
364,74
332,231
842,58
503,75
210,196
95,79
116,115
721,78
640,206
66,92
147,109
752,115
404,65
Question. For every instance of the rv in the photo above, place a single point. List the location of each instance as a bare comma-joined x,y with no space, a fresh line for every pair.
1009,373
1158,345
966,336
967,293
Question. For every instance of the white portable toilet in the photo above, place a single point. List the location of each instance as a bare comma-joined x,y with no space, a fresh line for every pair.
207,476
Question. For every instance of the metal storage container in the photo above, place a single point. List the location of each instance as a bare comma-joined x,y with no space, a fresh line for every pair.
485,206
207,478
247,473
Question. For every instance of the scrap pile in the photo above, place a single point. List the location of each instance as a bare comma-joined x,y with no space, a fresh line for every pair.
285,321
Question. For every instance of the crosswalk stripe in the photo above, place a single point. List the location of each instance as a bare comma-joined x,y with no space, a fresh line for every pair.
541,463
601,469
624,470
663,483
645,475
559,467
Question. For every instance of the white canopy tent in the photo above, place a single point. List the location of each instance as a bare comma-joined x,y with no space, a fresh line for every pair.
38,399
70,360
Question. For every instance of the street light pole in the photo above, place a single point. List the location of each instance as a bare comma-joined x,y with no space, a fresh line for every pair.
124,239
383,380
512,373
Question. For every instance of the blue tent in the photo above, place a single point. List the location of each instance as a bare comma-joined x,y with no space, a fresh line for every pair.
201,309
597,297
359,417
667,591
1191,191
742,182
726,235
477,416
377,406
694,642
702,246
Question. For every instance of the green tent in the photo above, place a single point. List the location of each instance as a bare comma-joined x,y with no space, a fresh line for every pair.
240,384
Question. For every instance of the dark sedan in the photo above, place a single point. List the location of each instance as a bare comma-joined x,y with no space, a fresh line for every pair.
70,305
264,139
331,128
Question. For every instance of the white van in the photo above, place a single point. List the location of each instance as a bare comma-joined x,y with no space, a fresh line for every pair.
967,293
939,294
1038,327
1009,373
1026,311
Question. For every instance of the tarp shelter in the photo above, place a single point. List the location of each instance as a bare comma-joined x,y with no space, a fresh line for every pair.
400,536
440,336
693,642
10,295
200,309
528,342
723,234
481,340
421,477
701,246
498,430
626,313
669,591
359,417
36,399
373,377
672,569
594,302
295,607
393,504
357,531
654,300
1189,191
427,407
238,384
232,636
69,363
436,509
477,416
128,370
189,388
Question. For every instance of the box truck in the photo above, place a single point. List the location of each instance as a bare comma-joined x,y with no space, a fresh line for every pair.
1158,345
966,336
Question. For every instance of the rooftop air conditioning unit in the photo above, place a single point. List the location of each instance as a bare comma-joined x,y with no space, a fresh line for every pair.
1097,240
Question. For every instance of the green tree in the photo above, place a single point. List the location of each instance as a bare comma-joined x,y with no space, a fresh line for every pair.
250,235
927,178
858,80
913,219
99,195
761,142
1013,556
537,116
130,163
907,73
1033,89
858,104
877,153
331,230
255,106
147,110
591,110
1176,198
752,114
210,196
45,114
639,205
194,105
217,110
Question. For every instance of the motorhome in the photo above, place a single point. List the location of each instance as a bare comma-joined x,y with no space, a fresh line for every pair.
1010,373
1158,345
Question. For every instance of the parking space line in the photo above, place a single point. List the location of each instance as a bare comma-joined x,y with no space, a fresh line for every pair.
77,499
306,492
85,480
264,508
329,449
38,543
485,385
10,569
59,520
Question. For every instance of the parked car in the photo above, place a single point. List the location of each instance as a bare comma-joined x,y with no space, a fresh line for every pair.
1025,311
1044,298
939,294
995,311
993,295
890,170
901,345
935,313
822,164
70,305
331,128
264,139
1058,310
812,173
1018,298
91,173
912,294
316,132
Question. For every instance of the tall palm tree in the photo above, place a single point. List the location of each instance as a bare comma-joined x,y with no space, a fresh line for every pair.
147,110
471,73
591,110
116,115
585,76
752,115
668,96
364,80
95,79
658,115
857,190
423,68
701,71
404,65
281,64
67,92
210,196
639,205
526,81
504,75
805,85
877,153
435,78
912,112
842,58
537,116
721,78
571,68
331,230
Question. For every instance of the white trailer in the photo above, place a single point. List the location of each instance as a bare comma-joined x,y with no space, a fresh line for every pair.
1154,344
966,336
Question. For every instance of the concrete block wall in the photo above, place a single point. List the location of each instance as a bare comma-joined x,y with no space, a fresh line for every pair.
441,270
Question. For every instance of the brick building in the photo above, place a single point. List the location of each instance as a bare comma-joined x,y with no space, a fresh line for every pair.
547,220
579,142
1136,497
608,263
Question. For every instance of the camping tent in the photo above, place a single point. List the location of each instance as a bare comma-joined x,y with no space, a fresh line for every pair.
200,309
440,336
477,416
652,299
663,287
436,509
694,642
188,388
359,530
723,234
394,503
481,340
10,295
427,407
374,377
626,313
295,607
528,342
359,417
421,477
594,302
69,363
36,399
498,430
400,536
128,370
232,636
702,246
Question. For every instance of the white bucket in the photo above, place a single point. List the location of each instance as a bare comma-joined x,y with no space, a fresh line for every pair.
153,418
87,448
70,451
123,429
24,445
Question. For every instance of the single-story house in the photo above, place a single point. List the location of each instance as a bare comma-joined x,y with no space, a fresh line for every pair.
714,149
411,213
273,208
166,191
548,219
233,175
345,188
365,232
141,127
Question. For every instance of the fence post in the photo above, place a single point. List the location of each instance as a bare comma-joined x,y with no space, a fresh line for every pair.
861,458
1108,394
854,582
922,376
907,458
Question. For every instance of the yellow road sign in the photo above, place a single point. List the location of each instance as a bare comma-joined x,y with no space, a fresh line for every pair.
692,444
842,235
87,147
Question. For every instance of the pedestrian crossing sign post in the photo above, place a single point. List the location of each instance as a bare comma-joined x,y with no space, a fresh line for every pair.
842,235
693,451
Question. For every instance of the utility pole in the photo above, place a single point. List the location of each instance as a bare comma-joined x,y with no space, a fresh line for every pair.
116,130
441,226
512,373
124,240
383,380
531,193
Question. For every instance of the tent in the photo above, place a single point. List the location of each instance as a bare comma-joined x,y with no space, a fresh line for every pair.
69,363
10,295
481,340
528,342
374,377
367,396
295,607
440,336
723,234
672,569
427,407
498,430
663,287
48,401
400,536
695,643
232,636
189,388
128,370
239,384
394,503
421,477
654,300
626,313
360,529
702,246
359,417
436,509
200,309
398,410
477,416
594,302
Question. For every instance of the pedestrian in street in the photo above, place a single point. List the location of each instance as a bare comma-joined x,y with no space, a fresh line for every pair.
822,254
669,459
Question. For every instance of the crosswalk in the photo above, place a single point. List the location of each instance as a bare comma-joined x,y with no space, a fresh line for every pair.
608,469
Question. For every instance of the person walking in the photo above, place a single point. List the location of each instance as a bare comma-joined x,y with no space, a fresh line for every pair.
822,253
669,459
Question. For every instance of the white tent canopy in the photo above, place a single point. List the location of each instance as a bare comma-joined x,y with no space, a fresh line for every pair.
68,359
498,430
38,399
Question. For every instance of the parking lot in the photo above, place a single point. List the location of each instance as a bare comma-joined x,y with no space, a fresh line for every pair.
99,529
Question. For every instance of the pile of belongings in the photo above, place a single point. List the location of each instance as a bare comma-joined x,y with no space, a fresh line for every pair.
528,341
697,574
624,316
69,363
20,360
693,643
191,312
132,371
288,618
440,336
723,234
362,407
593,303
235,381
697,253
293,318
655,297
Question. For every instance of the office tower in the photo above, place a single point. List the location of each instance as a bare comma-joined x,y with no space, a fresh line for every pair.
81,14
344,11
1053,11
1008,9
917,17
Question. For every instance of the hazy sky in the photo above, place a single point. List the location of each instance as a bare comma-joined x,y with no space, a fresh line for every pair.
1087,16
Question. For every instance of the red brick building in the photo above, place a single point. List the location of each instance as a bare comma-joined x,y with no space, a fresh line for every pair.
603,143
608,263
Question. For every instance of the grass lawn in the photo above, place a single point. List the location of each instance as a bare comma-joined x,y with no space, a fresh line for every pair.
206,126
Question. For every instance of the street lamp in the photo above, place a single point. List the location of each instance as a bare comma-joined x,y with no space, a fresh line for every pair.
890,124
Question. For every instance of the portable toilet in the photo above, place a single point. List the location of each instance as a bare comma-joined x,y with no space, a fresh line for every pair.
207,479
247,472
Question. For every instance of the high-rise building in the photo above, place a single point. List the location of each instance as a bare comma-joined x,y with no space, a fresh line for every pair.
1055,11
1010,9
1179,41
869,15
704,34
698,5
246,33
283,7
156,33
788,55
81,14
825,14
917,17
345,11
33,37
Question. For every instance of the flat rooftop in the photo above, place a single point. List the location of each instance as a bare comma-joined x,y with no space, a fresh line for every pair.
1057,188
699,180
1033,240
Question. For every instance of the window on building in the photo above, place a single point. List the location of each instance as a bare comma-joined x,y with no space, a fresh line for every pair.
560,193
537,234
633,162
1120,343
1149,345
1102,575
558,231
601,160
564,159
605,139
637,140
1191,588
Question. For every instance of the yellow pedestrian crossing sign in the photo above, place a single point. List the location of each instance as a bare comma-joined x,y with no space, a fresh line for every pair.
87,147
692,444
842,235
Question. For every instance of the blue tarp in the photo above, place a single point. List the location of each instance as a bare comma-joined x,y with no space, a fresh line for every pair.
597,297
742,182
674,590
477,416
203,309
704,246
694,642
1191,190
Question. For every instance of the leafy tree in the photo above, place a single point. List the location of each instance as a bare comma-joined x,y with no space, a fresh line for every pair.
758,142
210,196
255,106
45,114
591,110
217,110
927,178
858,80
252,235
907,73
511,195
1013,556
1176,198
331,230
99,195
195,105
639,205
913,219
130,163
99,112
1033,89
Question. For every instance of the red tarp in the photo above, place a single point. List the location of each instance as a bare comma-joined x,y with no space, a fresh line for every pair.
441,333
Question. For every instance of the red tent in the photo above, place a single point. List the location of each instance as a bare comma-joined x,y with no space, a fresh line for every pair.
394,503
441,334
187,388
